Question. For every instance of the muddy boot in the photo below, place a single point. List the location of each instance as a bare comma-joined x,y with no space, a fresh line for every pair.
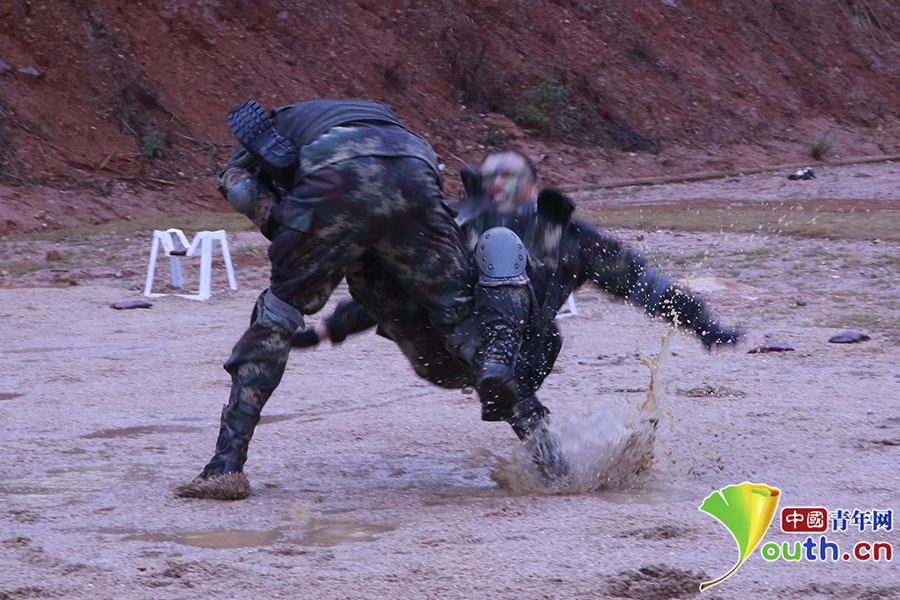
531,423
528,415
222,478
547,455
277,155
256,365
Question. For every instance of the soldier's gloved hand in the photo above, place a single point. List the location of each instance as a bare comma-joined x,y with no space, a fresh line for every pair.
713,336
305,338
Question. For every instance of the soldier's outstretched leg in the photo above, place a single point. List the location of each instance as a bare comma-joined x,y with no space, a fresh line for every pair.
531,423
503,299
256,365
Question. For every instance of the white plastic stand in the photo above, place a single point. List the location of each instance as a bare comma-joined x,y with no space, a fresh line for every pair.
570,304
168,239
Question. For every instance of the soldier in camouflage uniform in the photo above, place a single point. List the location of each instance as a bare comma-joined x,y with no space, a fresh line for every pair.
563,254
329,183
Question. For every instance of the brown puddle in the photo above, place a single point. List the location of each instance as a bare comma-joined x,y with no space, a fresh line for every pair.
276,418
9,395
212,539
140,430
319,532
324,532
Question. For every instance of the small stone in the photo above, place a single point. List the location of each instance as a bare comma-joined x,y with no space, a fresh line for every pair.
53,255
131,304
849,337
770,347
800,302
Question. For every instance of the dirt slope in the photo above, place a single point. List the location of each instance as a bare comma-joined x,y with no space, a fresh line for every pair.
121,106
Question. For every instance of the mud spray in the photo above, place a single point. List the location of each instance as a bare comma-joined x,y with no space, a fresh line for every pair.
609,449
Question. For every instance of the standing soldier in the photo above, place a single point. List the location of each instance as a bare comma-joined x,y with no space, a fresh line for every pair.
330,182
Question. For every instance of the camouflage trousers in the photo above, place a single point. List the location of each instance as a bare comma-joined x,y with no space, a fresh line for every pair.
401,319
389,209
379,299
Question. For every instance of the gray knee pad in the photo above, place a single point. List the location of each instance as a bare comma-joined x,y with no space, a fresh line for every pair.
501,258
240,189
270,308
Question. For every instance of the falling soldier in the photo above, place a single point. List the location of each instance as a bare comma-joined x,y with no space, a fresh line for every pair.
563,253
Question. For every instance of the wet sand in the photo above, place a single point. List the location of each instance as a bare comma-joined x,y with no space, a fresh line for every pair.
369,483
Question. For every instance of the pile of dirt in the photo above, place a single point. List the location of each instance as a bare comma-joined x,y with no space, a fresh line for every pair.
121,106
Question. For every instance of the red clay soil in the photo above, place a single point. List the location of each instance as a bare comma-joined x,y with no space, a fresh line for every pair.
111,110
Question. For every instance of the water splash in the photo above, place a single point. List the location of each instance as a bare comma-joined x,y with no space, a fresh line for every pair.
610,448
652,406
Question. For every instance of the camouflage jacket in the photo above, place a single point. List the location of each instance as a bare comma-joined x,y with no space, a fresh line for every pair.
565,253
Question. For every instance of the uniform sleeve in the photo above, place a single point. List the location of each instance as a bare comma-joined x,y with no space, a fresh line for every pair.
624,273
349,317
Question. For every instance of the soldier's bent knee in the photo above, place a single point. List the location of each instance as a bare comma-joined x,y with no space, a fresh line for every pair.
246,196
501,258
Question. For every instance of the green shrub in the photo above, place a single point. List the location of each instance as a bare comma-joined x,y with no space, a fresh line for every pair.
547,106
820,149
151,143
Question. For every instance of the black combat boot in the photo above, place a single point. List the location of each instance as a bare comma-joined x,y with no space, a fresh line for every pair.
502,313
530,422
528,416
235,432
276,154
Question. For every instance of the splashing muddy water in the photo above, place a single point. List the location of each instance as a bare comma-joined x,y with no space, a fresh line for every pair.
609,449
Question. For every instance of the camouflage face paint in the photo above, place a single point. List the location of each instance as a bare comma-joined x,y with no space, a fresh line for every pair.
507,180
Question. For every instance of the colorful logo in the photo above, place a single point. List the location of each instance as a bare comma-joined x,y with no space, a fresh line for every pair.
746,510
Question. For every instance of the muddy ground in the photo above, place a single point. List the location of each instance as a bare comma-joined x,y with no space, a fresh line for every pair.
371,484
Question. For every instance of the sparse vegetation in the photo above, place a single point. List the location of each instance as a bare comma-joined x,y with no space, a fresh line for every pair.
548,107
473,73
393,78
820,149
878,140
151,143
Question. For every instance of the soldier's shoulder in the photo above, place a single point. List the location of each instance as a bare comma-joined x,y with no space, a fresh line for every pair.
467,208
554,206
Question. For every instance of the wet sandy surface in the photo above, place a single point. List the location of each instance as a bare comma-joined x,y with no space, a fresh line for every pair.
371,484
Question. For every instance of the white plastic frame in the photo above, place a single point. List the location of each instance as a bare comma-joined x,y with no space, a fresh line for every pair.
206,240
